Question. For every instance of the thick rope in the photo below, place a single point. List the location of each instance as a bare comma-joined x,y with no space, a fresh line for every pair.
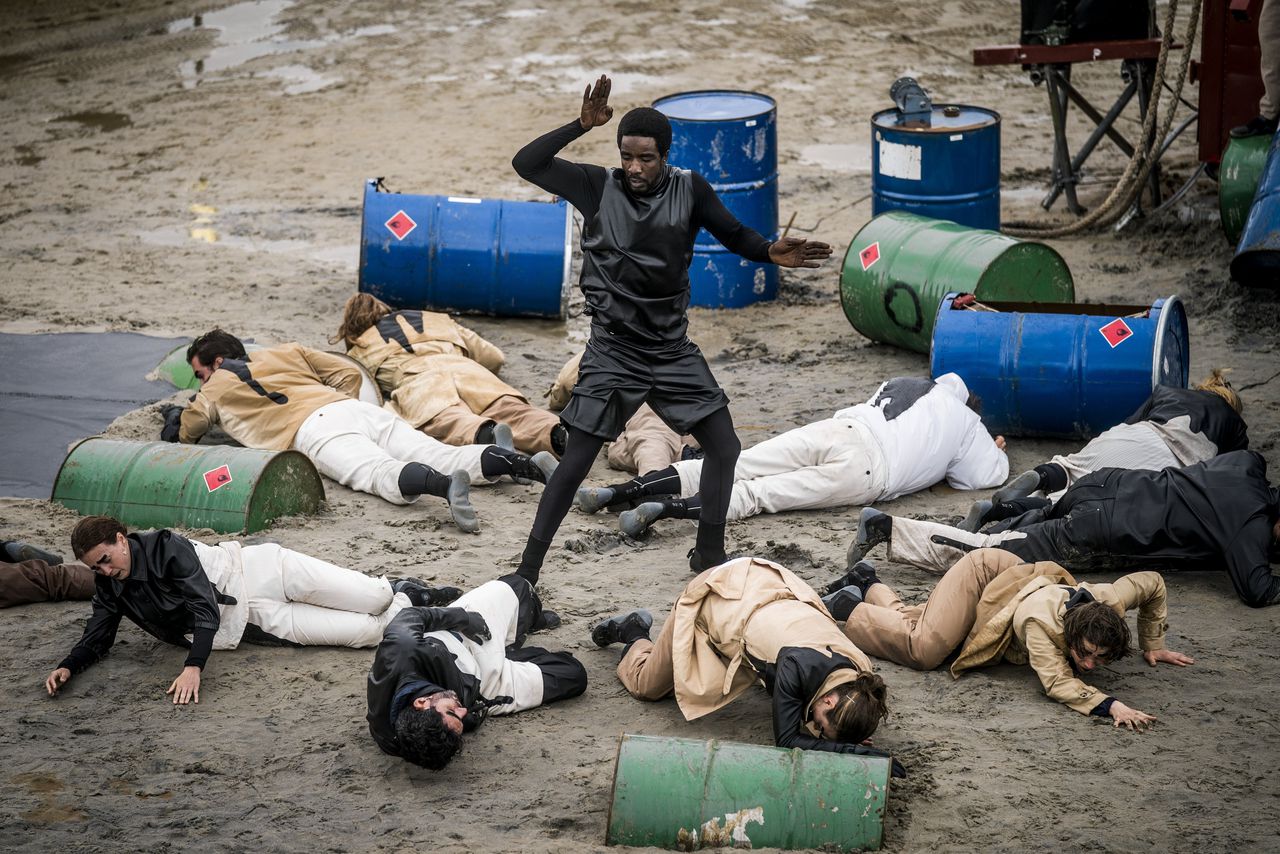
1145,155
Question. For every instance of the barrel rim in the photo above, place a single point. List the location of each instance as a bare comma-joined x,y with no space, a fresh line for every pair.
70,452
566,281
1170,307
365,376
282,458
773,104
931,130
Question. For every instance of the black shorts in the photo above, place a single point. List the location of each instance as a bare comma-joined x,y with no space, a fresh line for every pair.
617,376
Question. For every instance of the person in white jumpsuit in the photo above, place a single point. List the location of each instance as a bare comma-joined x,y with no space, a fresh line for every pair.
912,433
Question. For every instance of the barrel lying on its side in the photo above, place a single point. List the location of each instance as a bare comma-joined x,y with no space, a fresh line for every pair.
1257,259
1068,371
687,794
456,253
161,485
900,265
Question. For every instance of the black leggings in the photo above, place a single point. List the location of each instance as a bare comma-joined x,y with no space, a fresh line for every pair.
721,447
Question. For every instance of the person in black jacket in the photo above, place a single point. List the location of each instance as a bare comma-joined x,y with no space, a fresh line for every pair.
1218,514
639,225
1174,427
212,597
439,672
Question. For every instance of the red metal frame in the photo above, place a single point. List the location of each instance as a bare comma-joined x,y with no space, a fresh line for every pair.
1229,72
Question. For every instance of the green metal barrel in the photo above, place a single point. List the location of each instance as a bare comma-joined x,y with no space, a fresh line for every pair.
1238,181
900,266
161,485
685,794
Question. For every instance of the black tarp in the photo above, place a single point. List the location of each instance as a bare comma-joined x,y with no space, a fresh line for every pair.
56,389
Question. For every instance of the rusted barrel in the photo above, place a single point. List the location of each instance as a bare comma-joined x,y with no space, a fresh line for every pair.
685,794
162,485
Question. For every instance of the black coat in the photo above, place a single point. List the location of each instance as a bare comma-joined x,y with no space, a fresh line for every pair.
405,657
1209,415
167,594
1218,514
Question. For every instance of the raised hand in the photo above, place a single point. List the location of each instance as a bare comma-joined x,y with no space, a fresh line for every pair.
595,104
798,252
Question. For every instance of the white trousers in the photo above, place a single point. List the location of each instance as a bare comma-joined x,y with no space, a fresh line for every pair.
499,676
308,601
365,447
830,463
912,543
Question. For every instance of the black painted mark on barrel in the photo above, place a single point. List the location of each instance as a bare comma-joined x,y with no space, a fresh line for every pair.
890,293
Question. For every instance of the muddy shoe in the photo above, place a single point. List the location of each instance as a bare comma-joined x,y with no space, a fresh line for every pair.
862,576
546,463
423,595
503,437
635,522
1020,487
592,499
623,628
977,516
459,498
874,528
17,552
547,620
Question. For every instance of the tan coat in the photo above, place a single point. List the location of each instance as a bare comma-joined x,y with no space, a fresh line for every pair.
305,379
446,364
746,606
1022,624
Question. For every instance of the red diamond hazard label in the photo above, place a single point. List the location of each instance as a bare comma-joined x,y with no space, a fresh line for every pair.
1116,331
217,478
400,225
869,256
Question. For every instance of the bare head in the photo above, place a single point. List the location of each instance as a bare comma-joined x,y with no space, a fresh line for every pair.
360,312
644,138
429,730
1217,383
207,352
101,543
1095,634
851,712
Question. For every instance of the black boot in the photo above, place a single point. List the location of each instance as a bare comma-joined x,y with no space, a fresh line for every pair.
423,595
874,528
624,628
496,462
841,603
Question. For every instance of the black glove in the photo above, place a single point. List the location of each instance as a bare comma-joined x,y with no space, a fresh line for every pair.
897,769
172,415
470,624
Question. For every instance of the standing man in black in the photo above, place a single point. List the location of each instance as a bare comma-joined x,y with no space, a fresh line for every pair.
639,225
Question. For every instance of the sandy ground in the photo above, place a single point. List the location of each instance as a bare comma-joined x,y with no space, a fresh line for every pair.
134,134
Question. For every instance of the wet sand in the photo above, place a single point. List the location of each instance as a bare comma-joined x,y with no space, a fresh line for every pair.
164,174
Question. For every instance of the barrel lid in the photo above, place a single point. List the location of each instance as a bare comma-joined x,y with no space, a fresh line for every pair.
1171,354
712,105
947,118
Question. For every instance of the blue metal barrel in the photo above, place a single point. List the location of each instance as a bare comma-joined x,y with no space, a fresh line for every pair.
731,139
479,256
1060,370
1257,259
946,168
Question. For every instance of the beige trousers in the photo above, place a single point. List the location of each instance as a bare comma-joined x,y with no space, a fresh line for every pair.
646,671
921,636
531,426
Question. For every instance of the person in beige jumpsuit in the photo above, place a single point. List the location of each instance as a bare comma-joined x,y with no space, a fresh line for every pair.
647,444
441,377
994,607
746,621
